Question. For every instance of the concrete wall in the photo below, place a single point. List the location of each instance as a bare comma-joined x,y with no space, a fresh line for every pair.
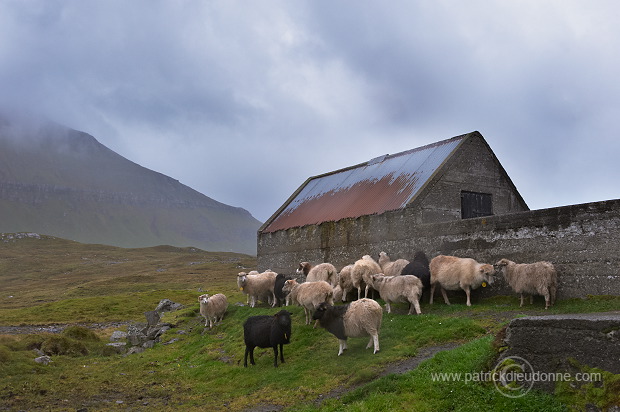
551,344
581,240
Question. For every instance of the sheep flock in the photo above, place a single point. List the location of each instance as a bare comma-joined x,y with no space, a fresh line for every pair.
323,291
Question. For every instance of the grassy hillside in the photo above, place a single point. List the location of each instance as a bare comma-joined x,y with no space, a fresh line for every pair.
57,281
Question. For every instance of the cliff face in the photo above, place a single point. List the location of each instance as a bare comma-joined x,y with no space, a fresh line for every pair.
62,182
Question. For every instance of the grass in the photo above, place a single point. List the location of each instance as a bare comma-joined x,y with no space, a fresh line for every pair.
57,281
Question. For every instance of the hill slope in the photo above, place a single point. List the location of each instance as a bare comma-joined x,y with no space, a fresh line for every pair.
62,182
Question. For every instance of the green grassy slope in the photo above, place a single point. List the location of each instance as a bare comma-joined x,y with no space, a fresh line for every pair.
193,368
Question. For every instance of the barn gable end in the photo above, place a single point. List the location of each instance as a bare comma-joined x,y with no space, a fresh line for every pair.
419,186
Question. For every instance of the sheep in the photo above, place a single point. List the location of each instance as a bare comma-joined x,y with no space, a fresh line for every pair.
539,278
356,319
419,267
308,295
257,286
322,271
241,279
345,281
213,308
361,272
338,293
267,331
453,273
394,289
277,289
389,268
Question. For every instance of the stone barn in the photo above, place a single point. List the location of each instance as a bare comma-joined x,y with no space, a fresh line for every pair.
450,180
452,197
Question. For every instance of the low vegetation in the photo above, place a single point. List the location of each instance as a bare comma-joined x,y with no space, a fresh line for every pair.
194,368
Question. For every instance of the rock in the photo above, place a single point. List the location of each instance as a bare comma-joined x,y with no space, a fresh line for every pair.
166,305
136,334
44,360
148,344
135,349
119,347
152,317
118,335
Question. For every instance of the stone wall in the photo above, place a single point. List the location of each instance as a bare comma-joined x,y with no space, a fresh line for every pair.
581,240
554,344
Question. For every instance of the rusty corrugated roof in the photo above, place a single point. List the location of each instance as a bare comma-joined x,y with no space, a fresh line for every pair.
385,183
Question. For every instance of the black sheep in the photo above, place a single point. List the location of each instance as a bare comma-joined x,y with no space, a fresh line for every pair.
419,267
267,331
277,289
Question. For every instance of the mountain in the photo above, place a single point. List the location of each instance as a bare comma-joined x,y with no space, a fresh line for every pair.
62,182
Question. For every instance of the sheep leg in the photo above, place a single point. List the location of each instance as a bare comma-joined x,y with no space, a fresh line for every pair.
387,307
416,305
275,301
521,305
307,315
359,292
445,295
249,351
467,292
374,340
342,346
547,298
282,353
366,292
275,356
432,293
531,299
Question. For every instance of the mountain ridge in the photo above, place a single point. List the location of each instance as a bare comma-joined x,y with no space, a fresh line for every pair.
63,182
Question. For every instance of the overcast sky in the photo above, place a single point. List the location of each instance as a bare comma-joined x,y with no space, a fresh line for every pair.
244,100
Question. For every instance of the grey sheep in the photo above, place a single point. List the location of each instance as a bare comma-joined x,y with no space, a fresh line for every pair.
539,278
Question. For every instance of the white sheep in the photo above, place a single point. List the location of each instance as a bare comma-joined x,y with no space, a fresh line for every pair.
213,308
308,294
454,273
240,280
345,281
357,319
405,288
362,270
539,278
389,268
322,271
338,293
258,286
